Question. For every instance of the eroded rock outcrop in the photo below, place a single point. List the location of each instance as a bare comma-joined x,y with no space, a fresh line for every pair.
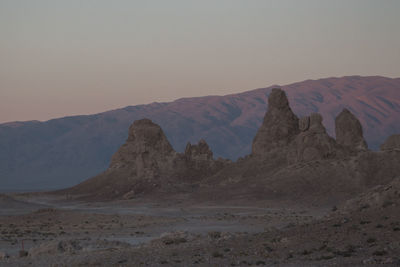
147,161
200,152
313,142
279,127
291,159
349,132
146,152
198,158
305,139
393,142
297,140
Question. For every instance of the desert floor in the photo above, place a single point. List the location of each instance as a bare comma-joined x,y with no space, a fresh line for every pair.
48,230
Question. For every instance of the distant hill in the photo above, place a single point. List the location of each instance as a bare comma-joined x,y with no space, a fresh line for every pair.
62,152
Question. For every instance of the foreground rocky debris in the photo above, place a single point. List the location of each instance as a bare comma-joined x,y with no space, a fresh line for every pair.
361,231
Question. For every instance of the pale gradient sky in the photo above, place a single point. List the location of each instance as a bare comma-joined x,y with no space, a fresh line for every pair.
71,57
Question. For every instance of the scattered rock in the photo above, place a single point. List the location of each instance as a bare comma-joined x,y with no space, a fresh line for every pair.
3,255
381,196
55,247
22,253
214,235
46,210
174,238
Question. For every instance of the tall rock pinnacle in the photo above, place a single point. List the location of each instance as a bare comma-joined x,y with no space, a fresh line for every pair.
279,127
349,132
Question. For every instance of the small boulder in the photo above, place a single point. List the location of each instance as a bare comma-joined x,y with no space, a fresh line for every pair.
3,255
174,238
22,253
55,247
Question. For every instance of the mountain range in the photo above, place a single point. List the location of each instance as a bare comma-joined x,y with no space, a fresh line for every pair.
62,152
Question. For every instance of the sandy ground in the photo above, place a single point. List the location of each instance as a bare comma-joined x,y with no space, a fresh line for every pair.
57,231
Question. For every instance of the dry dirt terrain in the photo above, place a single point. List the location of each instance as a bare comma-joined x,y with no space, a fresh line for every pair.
66,232
174,233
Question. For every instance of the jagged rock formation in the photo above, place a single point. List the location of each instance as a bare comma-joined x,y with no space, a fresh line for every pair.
313,142
317,169
282,133
393,142
305,139
147,152
147,161
279,127
199,159
292,159
200,152
349,132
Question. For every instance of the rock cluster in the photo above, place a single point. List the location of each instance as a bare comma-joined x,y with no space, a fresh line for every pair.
198,157
147,161
312,143
148,154
200,152
3,255
305,139
393,142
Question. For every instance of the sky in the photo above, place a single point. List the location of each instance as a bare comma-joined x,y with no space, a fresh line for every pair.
61,58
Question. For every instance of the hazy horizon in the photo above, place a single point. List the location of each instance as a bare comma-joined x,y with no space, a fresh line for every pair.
62,58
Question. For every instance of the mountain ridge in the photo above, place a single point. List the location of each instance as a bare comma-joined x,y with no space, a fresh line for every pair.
62,152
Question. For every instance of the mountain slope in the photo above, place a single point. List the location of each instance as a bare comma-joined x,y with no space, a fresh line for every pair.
65,151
